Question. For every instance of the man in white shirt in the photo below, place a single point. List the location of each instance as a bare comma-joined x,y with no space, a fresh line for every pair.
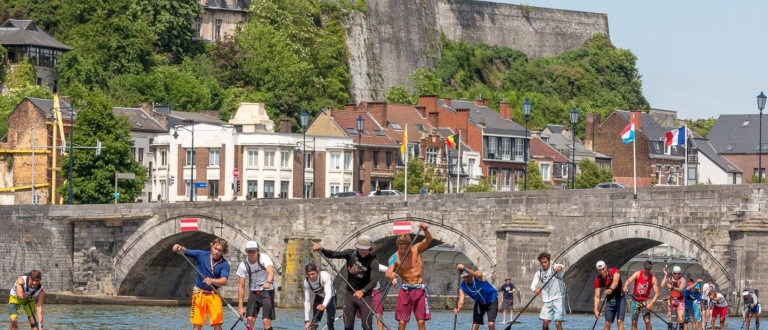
321,283
706,304
552,291
260,272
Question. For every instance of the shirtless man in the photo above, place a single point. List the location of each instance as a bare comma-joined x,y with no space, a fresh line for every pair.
413,293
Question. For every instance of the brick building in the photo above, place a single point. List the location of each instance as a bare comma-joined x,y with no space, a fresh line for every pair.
553,166
735,137
656,163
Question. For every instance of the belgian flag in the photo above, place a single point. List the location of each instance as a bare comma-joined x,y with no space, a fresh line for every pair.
451,141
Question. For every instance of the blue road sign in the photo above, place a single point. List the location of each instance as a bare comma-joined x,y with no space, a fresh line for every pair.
201,185
116,195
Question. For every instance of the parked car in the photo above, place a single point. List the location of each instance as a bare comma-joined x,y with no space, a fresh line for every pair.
610,185
386,193
349,194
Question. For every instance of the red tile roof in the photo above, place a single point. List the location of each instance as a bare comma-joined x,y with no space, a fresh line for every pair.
405,115
542,149
348,120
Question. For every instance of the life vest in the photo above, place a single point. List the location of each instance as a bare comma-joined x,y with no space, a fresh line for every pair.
30,292
677,295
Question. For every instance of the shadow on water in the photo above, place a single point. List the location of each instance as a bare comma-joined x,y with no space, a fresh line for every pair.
60,317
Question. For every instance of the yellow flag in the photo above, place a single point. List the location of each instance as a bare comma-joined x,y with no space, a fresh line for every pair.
404,144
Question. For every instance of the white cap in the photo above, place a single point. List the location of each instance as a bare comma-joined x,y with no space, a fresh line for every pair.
676,269
251,246
745,293
600,264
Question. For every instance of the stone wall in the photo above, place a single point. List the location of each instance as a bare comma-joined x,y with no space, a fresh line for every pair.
394,38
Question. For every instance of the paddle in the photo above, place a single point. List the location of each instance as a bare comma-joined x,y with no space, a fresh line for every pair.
351,287
529,303
458,288
642,303
239,317
313,324
33,313
246,309
384,295
334,320
598,312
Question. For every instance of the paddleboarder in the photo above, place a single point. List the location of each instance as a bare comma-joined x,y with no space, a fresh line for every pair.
486,297
27,294
408,264
212,273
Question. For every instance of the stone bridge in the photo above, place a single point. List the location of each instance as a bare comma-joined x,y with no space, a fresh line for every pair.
125,249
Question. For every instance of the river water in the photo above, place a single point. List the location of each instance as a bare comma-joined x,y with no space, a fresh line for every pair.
113,317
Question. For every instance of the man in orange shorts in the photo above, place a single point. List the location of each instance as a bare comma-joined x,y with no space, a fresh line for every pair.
205,296
413,293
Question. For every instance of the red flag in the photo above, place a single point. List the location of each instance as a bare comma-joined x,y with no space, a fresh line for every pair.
188,224
401,227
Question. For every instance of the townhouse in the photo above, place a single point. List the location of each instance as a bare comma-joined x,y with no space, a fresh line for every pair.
736,138
23,40
220,18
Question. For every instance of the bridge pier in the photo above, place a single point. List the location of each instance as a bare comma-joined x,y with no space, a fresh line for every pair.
298,253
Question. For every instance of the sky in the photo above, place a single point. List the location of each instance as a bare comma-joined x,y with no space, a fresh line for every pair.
699,58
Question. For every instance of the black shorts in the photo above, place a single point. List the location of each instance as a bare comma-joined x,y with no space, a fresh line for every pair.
508,305
264,299
480,309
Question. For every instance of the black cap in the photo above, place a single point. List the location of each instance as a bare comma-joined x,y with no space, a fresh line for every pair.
310,267
648,264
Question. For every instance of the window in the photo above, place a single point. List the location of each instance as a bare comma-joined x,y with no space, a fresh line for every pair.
307,160
754,173
253,189
544,170
284,189
432,155
198,27
360,156
506,180
191,157
269,158
471,169
253,158
335,161
564,170
506,148
420,127
412,151
334,188
346,187
396,126
133,150
347,160
308,190
493,152
39,81
352,131
217,34
164,189
164,158
730,146
141,155
667,148
745,123
213,189
213,157
519,149
285,158
188,189
378,132
493,173
375,159
388,165
269,188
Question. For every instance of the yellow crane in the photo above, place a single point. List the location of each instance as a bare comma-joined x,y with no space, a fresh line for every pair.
57,124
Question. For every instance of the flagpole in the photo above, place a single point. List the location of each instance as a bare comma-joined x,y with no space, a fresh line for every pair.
634,163
458,162
448,166
405,156
685,171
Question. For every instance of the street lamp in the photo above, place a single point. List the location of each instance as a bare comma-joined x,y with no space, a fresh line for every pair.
526,112
71,151
360,123
192,169
760,105
574,120
304,117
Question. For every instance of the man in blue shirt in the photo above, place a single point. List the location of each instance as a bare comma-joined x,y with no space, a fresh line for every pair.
477,287
692,297
205,297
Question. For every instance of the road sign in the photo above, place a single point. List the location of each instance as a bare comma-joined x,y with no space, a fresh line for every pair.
236,172
188,224
129,176
116,195
201,185
401,227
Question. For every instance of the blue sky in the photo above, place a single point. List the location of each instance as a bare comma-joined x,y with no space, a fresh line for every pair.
699,58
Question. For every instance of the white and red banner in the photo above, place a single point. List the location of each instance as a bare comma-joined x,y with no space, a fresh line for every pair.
188,224
401,227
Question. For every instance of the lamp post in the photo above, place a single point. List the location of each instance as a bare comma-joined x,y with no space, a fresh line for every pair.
192,168
760,105
526,112
574,120
71,151
304,117
360,123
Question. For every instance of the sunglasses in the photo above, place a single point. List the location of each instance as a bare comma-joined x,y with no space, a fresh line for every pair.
675,273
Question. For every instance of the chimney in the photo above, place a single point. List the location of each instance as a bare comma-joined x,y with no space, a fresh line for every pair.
285,125
593,120
637,117
211,113
535,134
481,102
428,101
147,107
378,111
447,102
422,111
505,111
463,119
434,120
350,107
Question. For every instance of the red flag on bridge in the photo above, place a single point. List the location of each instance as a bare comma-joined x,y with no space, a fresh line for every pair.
188,224
401,227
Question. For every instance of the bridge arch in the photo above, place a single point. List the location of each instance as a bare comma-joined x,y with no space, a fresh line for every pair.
617,244
149,247
381,229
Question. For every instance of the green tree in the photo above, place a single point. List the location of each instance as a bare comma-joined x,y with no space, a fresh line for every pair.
425,82
419,176
169,20
534,179
21,83
397,94
486,184
701,126
93,175
590,175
